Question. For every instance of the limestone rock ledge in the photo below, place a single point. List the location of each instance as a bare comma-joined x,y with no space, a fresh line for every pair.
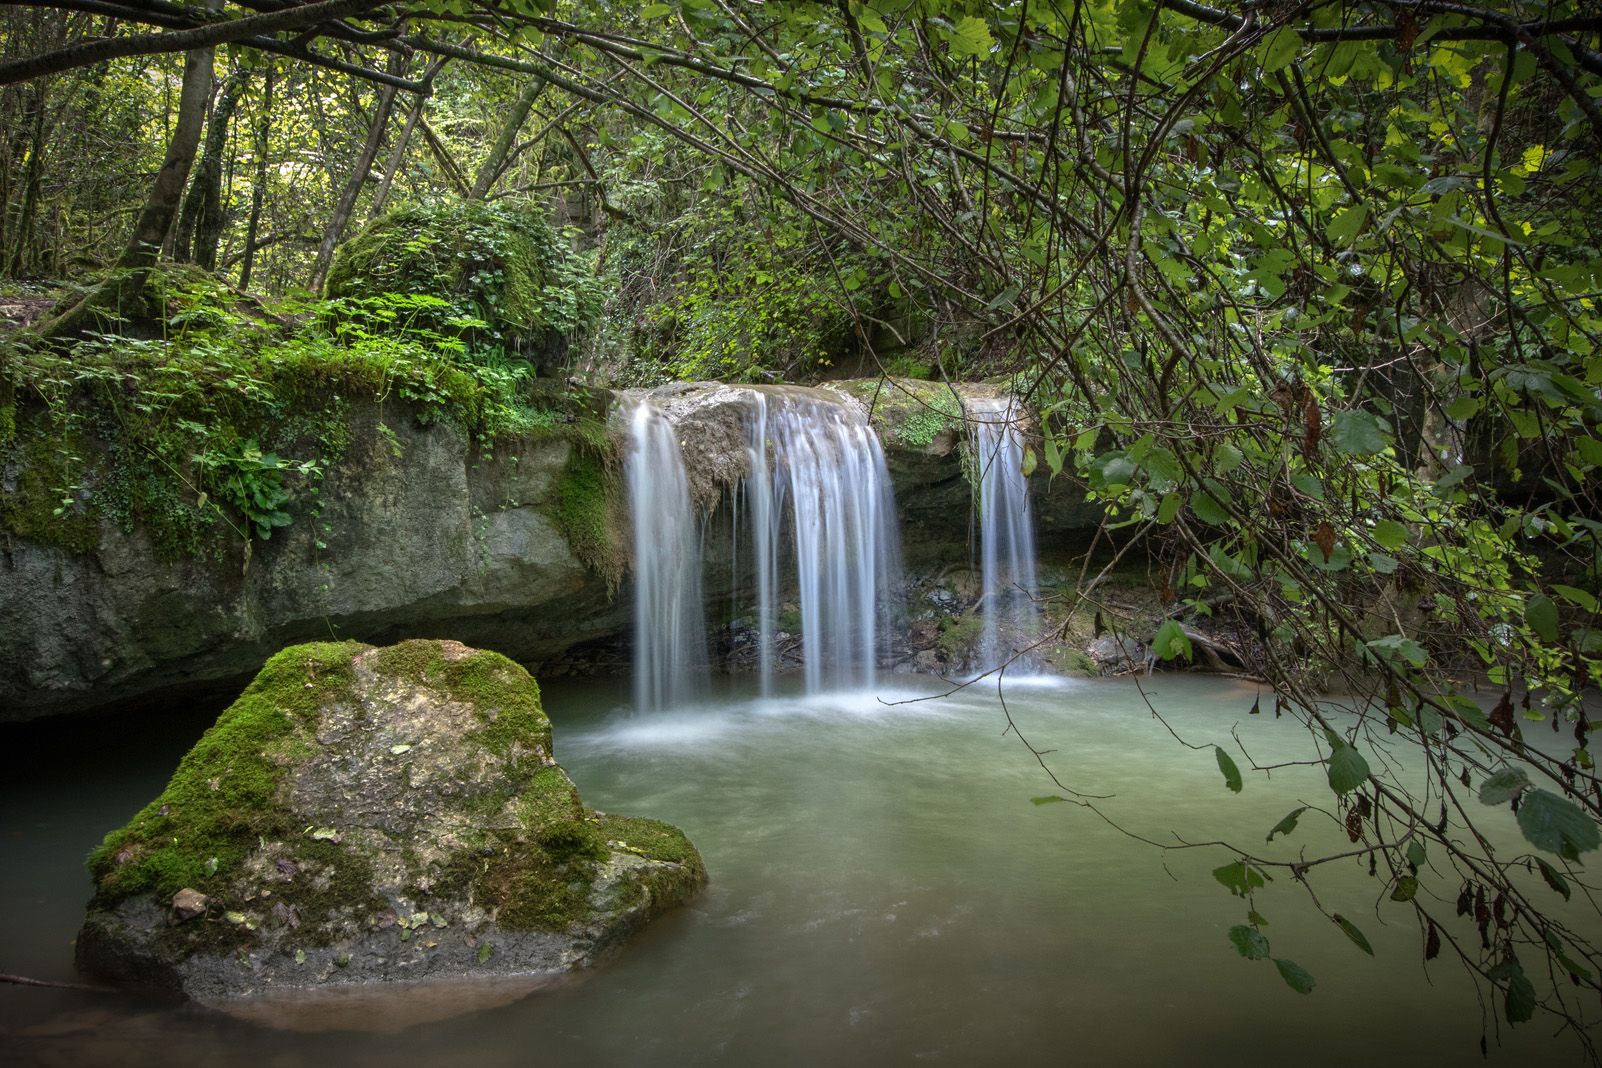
365,815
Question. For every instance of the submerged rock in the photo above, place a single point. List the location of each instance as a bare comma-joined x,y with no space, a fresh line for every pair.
368,815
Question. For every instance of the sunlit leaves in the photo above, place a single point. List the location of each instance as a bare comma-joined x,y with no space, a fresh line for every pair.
970,37
1170,642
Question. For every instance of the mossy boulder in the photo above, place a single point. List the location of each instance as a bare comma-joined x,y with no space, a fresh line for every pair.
491,275
365,815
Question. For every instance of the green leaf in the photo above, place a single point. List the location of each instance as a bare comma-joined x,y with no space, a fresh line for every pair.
1519,1006
1295,976
1383,564
1249,942
1288,824
1390,534
1553,879
1415,853
1278,49
1227,766
1347,769
1541,614
1351,931
1049,799
1406,888
970,37
1344,227
1239,878
1208,509
1503,786
1357,433
1170,641
485,951
1556,825
1576,596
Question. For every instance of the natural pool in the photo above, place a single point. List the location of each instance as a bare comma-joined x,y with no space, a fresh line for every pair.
883,891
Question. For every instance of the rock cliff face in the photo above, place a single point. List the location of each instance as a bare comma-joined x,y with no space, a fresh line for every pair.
420,535
370,815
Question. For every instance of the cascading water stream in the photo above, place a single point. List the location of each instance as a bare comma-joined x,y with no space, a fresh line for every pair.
816,458
1006,529
669,629
815,492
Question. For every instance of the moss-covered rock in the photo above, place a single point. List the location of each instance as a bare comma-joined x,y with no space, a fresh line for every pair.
495,275
366,815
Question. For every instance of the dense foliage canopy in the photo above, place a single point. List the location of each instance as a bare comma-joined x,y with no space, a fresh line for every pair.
1307,293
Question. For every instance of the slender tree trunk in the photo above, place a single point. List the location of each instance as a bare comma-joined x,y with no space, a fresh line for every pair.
156,218
490,169
397,156
203,203
258,184
358,178
23,233
124,292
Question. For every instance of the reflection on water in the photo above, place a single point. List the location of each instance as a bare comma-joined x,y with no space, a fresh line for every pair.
882,891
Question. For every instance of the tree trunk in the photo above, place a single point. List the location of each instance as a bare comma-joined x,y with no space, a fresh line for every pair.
496,160
22,234
199,224
156,218
122,294
258,185
358,178
398,155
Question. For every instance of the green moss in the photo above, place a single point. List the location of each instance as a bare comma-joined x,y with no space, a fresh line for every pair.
504,696
585,509
908,412
46,504
651,838
958,635
223,799
549,798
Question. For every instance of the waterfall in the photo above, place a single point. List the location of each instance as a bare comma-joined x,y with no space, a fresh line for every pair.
669,632
813,493
1006,530
814,457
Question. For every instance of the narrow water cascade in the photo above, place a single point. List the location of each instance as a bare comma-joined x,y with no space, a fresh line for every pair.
669,627
816,462
1006,530
815,546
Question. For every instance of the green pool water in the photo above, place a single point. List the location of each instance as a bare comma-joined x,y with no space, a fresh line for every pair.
883,892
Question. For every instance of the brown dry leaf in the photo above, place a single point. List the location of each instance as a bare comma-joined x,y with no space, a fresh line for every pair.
1324,538
1312,424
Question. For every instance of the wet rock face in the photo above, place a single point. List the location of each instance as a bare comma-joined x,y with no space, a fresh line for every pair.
418,533
367,815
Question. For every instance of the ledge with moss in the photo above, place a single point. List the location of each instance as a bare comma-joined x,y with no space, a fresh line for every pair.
175,510
366,815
